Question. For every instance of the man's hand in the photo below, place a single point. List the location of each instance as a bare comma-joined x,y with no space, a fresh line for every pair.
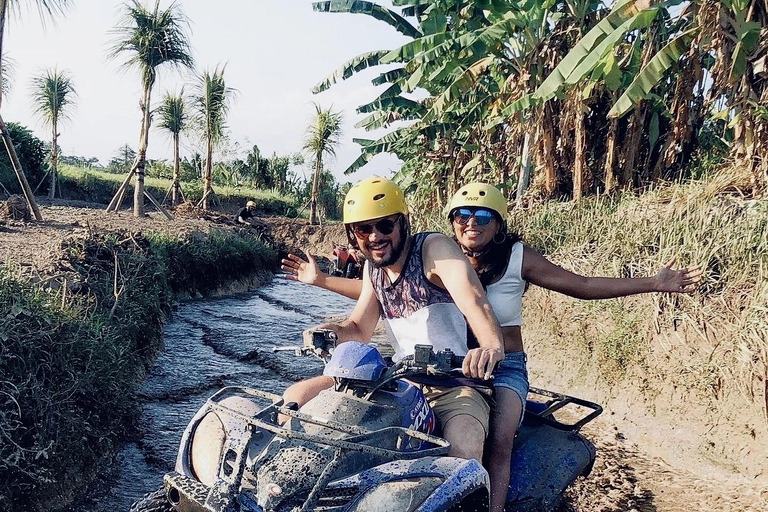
479,363
309,335
677,281
306,271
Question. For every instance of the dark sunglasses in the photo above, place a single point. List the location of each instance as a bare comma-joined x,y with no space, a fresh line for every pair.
482,216
383,226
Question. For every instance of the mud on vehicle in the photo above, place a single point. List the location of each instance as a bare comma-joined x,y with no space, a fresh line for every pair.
365,445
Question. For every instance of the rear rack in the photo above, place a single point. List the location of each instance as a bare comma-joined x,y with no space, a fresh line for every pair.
556,402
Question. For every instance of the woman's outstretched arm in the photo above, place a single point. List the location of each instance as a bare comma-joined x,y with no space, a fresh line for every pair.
542,272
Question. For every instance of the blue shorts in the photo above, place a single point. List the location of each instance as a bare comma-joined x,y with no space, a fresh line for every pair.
512,373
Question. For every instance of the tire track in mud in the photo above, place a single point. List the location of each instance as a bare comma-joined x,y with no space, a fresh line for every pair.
625,479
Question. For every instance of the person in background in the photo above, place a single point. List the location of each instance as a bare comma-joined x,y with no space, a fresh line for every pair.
245,215
505,266
425,292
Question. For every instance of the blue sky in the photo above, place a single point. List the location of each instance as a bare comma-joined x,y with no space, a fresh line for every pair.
274,50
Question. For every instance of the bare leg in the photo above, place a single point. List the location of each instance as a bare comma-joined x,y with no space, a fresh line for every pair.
505,417
466,436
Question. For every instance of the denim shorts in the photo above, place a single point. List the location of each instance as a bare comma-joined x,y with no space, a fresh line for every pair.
512,373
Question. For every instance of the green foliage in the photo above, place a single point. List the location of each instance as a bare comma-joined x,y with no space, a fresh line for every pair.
74,355
52,95
31,153
122,161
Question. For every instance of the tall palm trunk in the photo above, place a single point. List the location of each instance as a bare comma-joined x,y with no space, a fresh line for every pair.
207,173
54,161
315,190
141,154
176,189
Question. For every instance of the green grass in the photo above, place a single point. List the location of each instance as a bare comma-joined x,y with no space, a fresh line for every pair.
99,186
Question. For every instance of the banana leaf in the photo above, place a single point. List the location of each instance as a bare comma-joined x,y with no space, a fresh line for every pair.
380,13
650,75
352,66
621,12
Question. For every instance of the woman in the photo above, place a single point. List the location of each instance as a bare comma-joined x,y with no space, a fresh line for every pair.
505,267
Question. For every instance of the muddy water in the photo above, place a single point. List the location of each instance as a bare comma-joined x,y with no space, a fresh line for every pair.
215,343
209,344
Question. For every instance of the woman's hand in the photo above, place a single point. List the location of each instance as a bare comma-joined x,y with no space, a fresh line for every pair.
677,281
306,271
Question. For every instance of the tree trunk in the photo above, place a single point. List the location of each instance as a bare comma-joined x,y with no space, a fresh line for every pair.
579,147
19,171
3,12
175,194
54,162
315,191
207,174
525,165
631,145
141,154
548,147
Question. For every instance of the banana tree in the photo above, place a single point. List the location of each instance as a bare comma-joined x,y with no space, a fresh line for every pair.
52,97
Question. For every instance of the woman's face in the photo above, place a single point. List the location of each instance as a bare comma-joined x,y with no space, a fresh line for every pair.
472,233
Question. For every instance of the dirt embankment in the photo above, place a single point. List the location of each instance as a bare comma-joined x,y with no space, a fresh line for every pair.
660,448
35,246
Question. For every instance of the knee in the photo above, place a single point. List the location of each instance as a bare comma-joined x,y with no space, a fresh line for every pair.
467,437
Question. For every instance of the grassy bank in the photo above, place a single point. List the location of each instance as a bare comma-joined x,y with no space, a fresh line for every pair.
689,372
99,187
703,223
75,348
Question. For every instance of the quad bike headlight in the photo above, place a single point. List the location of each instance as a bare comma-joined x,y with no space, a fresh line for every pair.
404,495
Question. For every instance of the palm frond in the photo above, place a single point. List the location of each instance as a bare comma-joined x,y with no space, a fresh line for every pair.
52,95
211,102
151,39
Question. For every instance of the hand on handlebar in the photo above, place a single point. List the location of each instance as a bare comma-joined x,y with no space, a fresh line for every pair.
479,363
319,341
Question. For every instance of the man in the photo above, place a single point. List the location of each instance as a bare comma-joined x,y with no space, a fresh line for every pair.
426,293
246,213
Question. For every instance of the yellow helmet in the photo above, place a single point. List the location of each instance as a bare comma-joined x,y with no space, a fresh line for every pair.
250,204
479,194
373,198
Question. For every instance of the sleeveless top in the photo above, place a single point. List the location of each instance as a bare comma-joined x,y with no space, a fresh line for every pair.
506,295
416,311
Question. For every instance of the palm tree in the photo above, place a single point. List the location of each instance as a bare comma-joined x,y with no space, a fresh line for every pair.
322,139
51,8
211,105
150,39
52,96
173,118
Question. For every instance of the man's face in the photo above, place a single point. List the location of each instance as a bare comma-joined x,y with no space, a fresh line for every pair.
381,240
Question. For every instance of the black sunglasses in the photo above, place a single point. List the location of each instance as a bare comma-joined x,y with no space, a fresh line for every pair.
482,216
383,226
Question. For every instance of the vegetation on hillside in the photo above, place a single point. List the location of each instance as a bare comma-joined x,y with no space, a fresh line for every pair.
76,349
